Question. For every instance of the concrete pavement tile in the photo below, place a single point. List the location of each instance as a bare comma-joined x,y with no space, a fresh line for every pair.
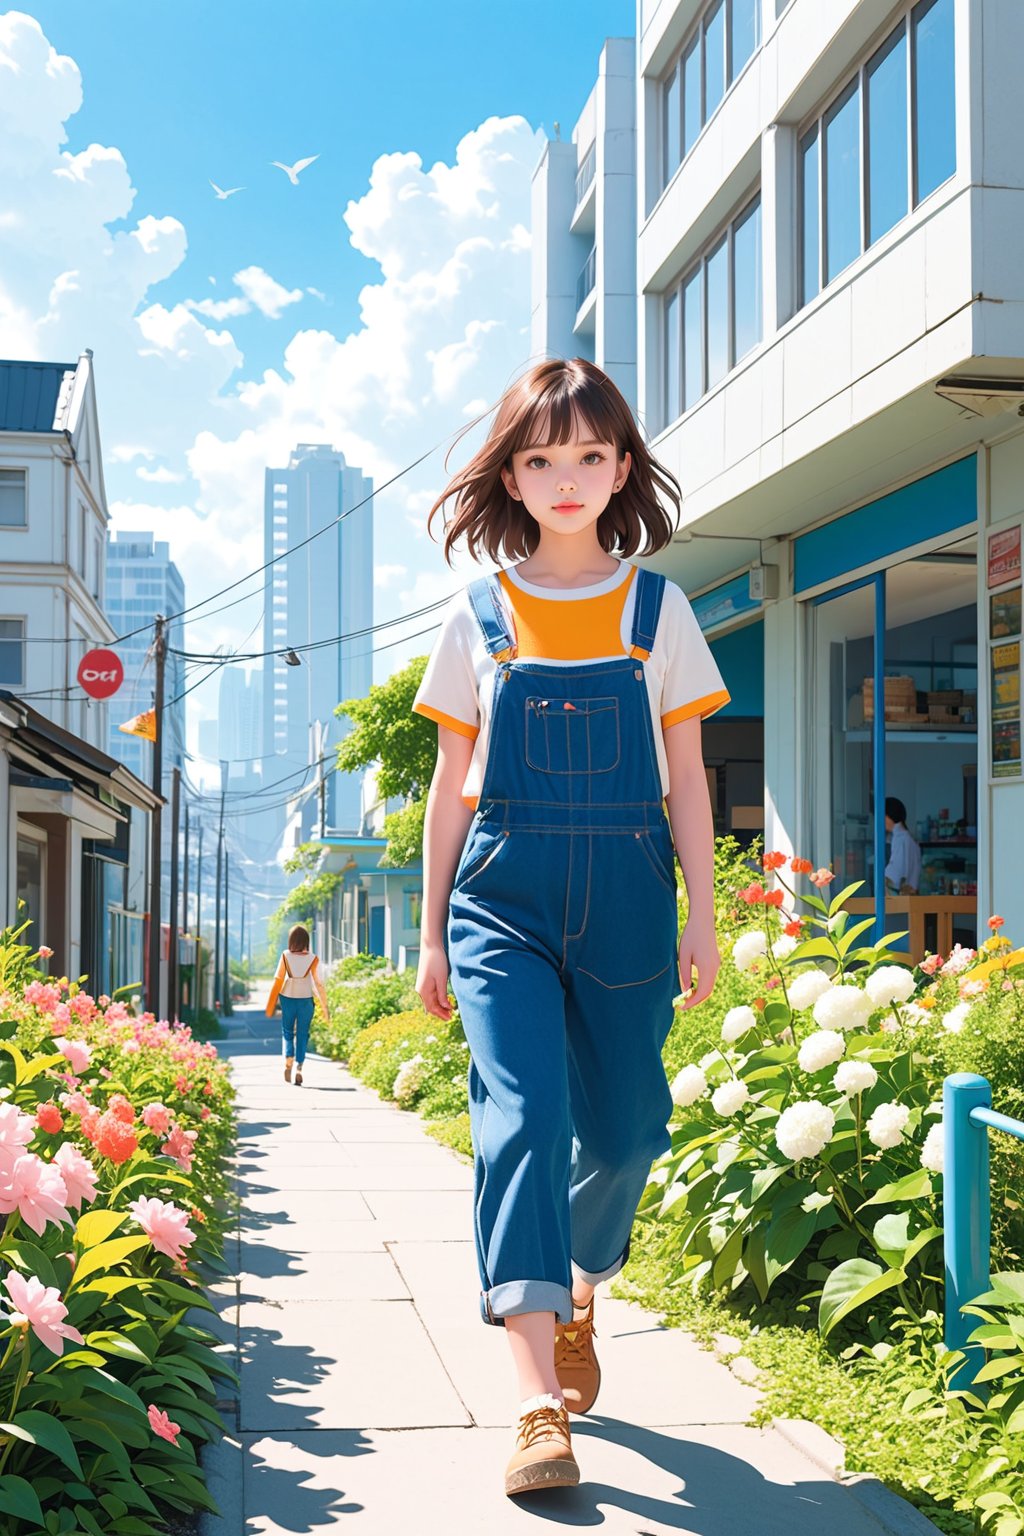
271,1276
316,1236
270,1130
308,1365
268,1155
439,1214
407,1175
304,1205
381,1154
727,1482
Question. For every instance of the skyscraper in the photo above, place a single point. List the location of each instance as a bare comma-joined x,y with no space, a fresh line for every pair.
142,581
313,596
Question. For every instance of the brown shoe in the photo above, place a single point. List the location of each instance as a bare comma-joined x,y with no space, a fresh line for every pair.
288,1068
298,1077
576,1367
543,1457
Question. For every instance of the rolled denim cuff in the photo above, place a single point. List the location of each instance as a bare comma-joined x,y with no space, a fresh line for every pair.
514,1296
594,1277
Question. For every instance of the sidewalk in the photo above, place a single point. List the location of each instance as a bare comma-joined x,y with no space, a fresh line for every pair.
372,1395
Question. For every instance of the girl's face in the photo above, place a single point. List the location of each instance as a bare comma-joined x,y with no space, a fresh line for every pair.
566,486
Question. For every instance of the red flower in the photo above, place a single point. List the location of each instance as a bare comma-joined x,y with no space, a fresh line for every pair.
182,1084
114,1139
995,923
752,894
208,1088
822,877
773,861
930,964
121,1109
795,928
49,1118
801,866
774,898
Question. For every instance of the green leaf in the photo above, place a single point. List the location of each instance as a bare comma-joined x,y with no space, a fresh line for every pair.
849,935
849,1286
105,1255
17,1497
912,1186
787,1237
891,1237
44,1430
754,1260
96,1226
116,1344
842,896
32,1261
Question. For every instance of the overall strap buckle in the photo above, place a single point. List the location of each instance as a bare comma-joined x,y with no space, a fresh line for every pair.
485,598
650,591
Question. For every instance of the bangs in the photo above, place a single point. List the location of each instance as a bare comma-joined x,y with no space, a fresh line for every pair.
567,410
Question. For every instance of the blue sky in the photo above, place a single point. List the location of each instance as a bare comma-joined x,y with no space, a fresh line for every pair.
192,92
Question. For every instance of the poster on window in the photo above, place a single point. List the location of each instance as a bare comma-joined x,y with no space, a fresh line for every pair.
1006,746
1004,557
1004,613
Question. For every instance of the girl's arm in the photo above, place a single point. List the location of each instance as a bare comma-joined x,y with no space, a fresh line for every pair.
321,990
446,823
693,832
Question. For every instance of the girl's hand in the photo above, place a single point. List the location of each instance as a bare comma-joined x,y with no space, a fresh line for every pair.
432,980
698,950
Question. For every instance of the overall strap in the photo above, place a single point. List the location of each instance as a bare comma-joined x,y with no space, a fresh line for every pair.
650,589
485,596
284,962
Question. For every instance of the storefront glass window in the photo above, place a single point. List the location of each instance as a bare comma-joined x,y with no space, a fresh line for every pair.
31,863
843,659
842,182
886,106
810,244
934,95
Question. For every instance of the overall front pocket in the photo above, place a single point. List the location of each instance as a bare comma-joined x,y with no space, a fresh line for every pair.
481,849
572,735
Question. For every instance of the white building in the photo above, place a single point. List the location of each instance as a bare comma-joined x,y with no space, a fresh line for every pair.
830,358
53,532
323,589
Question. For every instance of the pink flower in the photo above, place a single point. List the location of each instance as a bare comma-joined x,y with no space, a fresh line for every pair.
35,1190
821,877
74,1103
121,1108
39,1307
78,1174
959,959
182,1084
76,1051
82,1005
180,1145
161,1425
89,1119
930,964
165,1225
969,990
131,1047
156,1117
205,1112
45,952
42,995
16,1129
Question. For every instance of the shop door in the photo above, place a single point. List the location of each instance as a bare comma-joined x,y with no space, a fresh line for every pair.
841,736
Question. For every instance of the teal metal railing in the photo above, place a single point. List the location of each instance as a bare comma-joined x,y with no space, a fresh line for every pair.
968,1117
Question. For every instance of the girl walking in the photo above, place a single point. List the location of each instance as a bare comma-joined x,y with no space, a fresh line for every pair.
297,980
568,690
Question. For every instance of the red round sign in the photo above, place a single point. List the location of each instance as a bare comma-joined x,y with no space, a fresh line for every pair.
100,673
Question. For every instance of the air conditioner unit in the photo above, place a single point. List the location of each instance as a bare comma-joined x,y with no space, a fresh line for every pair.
983,397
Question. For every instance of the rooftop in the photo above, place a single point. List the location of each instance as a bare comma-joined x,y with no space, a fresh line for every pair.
33,396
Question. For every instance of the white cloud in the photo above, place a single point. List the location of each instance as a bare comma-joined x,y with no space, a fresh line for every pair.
268,296
388,575
160,476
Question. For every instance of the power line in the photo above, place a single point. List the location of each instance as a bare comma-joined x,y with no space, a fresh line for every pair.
201,657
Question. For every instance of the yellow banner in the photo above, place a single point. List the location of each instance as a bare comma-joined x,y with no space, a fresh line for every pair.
143,725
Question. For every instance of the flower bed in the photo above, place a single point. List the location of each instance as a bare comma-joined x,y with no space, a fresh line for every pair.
113,1133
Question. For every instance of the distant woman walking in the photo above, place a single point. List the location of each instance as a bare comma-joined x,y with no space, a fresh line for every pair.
296,983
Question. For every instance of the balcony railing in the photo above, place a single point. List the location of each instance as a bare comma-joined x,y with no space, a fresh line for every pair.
967,1116
586,173
587,278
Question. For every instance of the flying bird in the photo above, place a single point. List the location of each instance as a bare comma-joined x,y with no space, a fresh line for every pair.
221,194
292,171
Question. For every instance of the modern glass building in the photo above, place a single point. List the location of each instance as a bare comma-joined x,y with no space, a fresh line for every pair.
142,581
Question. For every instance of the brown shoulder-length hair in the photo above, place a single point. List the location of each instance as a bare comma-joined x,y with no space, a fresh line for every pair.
550,404
298,940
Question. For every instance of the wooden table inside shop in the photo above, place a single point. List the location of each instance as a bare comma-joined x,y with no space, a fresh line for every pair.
915,910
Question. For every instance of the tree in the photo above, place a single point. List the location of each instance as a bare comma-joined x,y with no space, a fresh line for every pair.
404,748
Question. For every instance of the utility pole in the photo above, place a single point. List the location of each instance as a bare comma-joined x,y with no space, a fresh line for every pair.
156,829
218,991
226,1000
241,937
198,967
184,900
172,931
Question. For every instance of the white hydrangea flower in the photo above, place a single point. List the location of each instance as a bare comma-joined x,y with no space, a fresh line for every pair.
855,1076
843,1007
959,959
887,1124
430,1040
889,984
730,1096
409,1078
934,1147
820,1050
804,1129
709,1060
806,987
737,1022
784,945
956,1018
748,948
914,1014
688,1085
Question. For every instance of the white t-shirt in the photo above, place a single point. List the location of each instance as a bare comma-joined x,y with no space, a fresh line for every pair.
904,860
564,627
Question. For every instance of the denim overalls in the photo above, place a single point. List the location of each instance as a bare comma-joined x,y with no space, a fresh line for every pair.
562,943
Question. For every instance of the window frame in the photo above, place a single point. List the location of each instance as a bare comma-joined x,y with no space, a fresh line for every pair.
697,32
12,640
725,235
22,470
857,78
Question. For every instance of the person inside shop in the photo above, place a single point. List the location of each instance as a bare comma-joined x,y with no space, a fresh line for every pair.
903,871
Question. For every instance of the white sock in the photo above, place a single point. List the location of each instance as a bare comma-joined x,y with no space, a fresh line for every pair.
544,1400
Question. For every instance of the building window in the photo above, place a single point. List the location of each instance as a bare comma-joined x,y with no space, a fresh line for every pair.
713,317
884,144
726,36
13,500
12,653
413,906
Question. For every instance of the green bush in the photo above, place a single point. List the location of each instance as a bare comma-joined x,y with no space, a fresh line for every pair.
353,1006
355,967
416,1059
